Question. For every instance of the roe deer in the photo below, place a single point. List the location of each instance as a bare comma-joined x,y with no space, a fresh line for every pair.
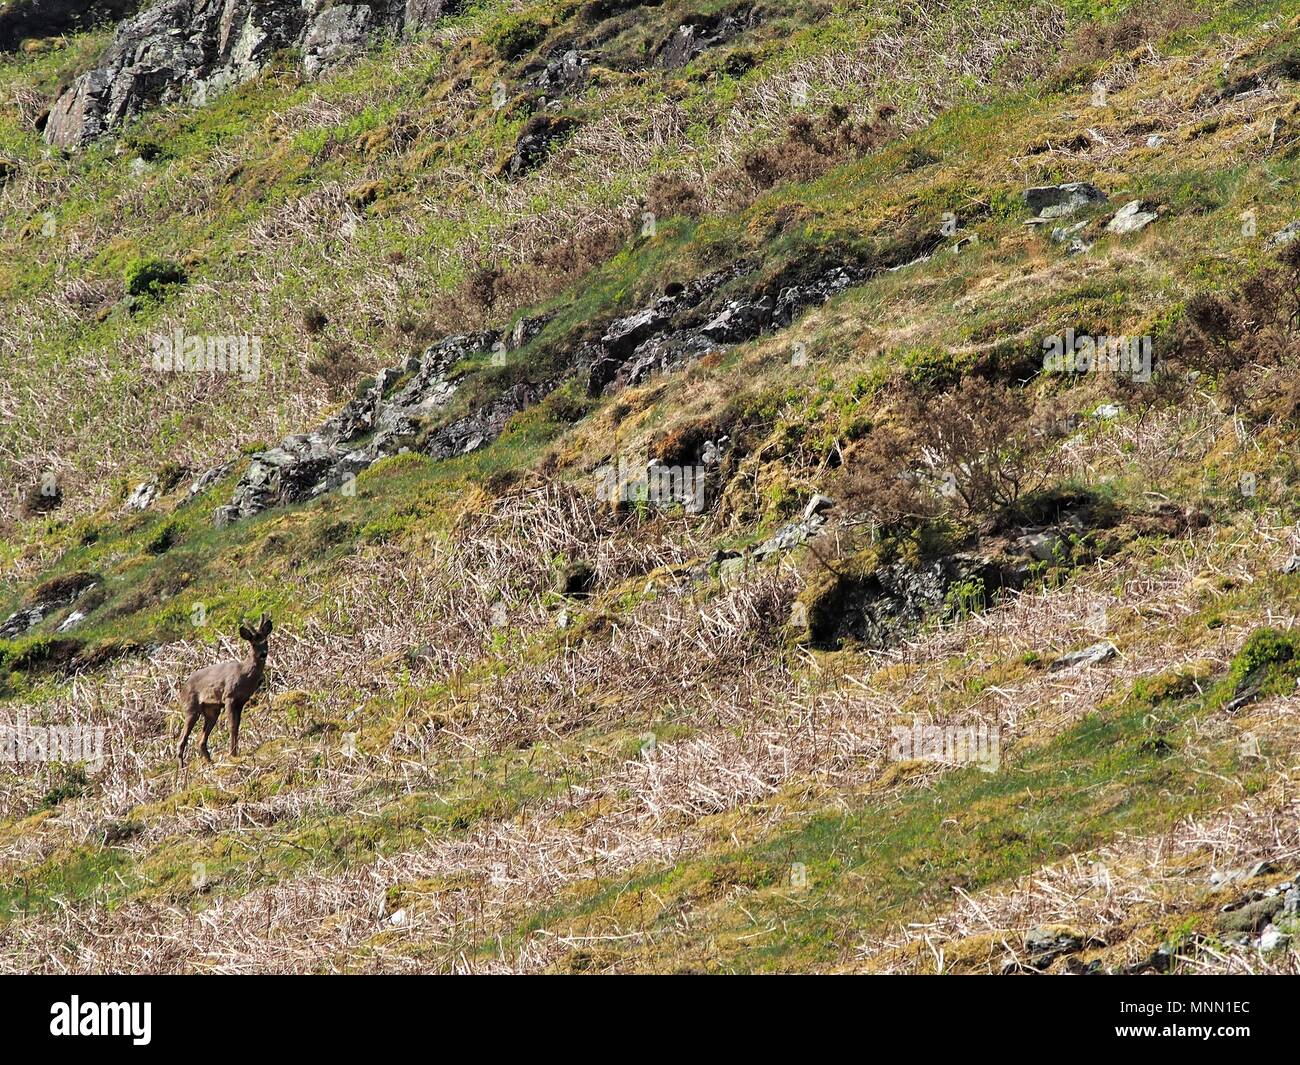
227,684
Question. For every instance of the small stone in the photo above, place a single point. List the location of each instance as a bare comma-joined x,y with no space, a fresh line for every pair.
1108,411
398,917
1273,939
71,621
142,496
1061,234
1134,215
1155,140
1044,945
1088,656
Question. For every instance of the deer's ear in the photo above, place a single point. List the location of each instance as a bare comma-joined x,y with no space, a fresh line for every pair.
246,632
265,630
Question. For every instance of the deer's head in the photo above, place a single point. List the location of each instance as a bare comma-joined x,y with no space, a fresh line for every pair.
258,635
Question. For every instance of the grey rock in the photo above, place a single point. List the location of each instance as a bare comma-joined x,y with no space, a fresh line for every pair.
740,320
878,608
790,536
1155,140
535,142
1060,201
1239,876
666,333
701,34
209,477
1045,945
71,621
525,330
20,621
1062,234
1134,215
1088,656
142,496
1285,235
558,74
1043,546
1273,938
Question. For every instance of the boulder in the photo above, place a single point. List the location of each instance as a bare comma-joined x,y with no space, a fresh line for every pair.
558,74
1044,945
1273,938
142,496
1060,201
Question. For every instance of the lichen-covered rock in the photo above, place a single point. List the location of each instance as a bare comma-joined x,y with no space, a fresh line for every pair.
186,51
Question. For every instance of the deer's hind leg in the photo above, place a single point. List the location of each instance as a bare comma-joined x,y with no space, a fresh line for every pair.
191,715
210,714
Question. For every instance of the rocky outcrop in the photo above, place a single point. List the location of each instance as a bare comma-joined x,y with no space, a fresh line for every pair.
1134,215
403,407
186,51
693,319
390,412
52,596
700,33
1050,202
558,74
877,609
539,135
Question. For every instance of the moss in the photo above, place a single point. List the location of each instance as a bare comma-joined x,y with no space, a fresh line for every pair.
518,33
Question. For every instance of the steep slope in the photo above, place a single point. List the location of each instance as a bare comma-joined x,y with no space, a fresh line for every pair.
645,428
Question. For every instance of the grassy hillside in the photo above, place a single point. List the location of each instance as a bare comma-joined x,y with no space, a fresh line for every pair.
510,727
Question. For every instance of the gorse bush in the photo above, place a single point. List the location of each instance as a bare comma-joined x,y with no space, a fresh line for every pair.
152,277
